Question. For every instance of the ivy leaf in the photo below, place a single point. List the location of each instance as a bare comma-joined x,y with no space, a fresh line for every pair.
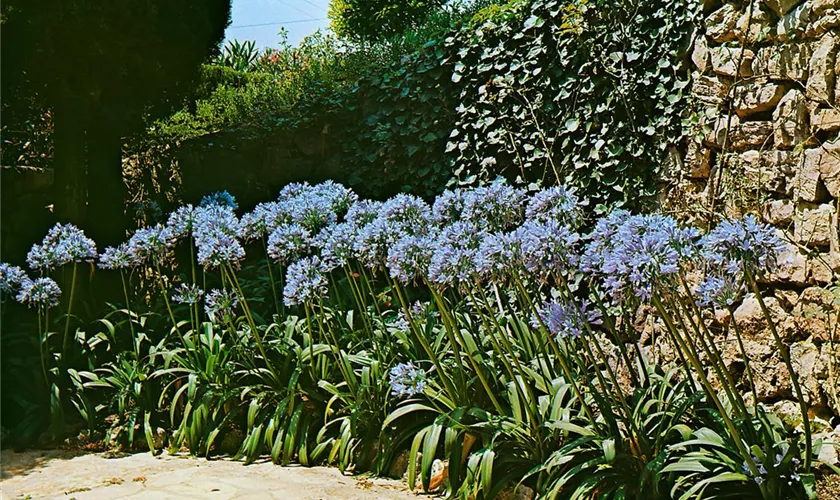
572,125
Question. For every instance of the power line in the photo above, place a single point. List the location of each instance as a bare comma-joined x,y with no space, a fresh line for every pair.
278,22
315,5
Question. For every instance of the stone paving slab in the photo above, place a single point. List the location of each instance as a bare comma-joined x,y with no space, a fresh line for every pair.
95,476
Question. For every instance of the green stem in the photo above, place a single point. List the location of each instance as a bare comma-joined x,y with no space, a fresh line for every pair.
65,343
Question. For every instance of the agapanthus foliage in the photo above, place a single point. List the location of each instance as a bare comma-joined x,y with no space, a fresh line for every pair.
406,379
64,244
40,292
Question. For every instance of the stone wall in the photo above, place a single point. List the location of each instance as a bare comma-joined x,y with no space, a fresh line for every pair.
25,209
766,82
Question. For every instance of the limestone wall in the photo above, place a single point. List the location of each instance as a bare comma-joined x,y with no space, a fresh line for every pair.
766,82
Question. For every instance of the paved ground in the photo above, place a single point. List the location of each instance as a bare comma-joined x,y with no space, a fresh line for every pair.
59,474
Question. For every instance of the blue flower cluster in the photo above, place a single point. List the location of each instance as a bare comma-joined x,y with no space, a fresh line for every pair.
188,294
64,244
219,198
11,278
565,320
406,379
305,281
40,292
220,305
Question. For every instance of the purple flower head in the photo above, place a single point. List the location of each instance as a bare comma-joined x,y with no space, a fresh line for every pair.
305,281
408,259
408,213
363,212
219,198
187,294
11,278
181,222
373,241
401,323
115,258
558,204
548,246
454,258
567,320
64,244
41,292
601,239
734,244
721,291
499,254
643,251
406,380
312,212
218,249
292,190
448,207
338,197
220,305
336,243
497,206
288,243
149,245
212,220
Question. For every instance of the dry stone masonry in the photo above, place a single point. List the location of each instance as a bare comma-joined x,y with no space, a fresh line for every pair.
766,87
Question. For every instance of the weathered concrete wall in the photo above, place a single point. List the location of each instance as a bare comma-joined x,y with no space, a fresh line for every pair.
766,82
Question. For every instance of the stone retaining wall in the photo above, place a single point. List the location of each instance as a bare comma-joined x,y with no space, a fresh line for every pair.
766,82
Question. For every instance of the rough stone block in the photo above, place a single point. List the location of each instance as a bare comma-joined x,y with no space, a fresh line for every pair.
823,268
725,61
708,88
765,176
812,224
824,162
794,24
784,62
820,85
790,120
754,26
825,119
700,54
823,23
781,7
756,97
720,24
791,267
752,134
821,6
698,161
778,212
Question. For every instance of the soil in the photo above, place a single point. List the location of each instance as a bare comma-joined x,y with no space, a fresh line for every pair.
100,476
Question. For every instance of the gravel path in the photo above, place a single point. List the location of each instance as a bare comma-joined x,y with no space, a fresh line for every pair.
95,476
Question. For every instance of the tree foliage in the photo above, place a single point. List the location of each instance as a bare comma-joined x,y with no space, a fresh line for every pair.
372,20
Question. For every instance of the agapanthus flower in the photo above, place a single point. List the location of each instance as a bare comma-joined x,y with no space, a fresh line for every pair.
409,258
556,203
499,254
288,243
11,278
448,207
265,218
64,244
219,249
363,212
497,206
721,291
373,241
601,239
567,320
41,292
292,190
406,379
454,259
340,198
188,294
219,198
220,305
312,212
181,222
408,213
643,251
149,245
336,243
548,246
115,258
305,281
401,323
212,220
734,244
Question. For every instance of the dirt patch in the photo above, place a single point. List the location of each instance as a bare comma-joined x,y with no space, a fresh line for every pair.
66,475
